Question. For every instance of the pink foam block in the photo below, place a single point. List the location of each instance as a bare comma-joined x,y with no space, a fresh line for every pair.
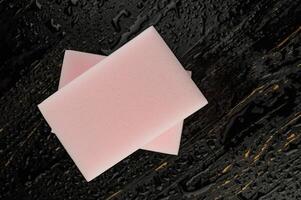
75,63
122,103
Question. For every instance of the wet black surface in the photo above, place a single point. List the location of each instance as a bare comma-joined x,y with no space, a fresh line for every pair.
244,55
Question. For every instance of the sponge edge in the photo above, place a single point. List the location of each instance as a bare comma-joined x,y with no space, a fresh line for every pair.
76,63
100,120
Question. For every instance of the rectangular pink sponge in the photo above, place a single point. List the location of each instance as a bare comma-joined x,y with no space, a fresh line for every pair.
75,63
122,103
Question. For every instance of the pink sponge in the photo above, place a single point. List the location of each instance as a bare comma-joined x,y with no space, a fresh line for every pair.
76,63
122,103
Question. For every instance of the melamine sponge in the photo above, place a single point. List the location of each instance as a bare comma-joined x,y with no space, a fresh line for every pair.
122,103
75,63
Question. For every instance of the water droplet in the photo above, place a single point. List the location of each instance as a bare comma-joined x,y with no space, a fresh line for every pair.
140,5
116,19
74,2
53,26
36,4
74,20
100,4
68,10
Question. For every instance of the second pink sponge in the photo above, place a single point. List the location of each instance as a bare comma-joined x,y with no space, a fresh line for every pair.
122,103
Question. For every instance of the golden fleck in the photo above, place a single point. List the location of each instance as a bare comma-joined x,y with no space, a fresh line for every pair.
257,157
226,182
269,139
161,166
290,139
9,160
265,146
247,153
247,185
288,37
254,92
246,169
113,195
276,87
227,168
291,136
296,117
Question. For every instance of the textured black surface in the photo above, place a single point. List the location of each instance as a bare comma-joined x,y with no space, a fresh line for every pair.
244,55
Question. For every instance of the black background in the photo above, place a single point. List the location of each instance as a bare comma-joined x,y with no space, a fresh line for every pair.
244,56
